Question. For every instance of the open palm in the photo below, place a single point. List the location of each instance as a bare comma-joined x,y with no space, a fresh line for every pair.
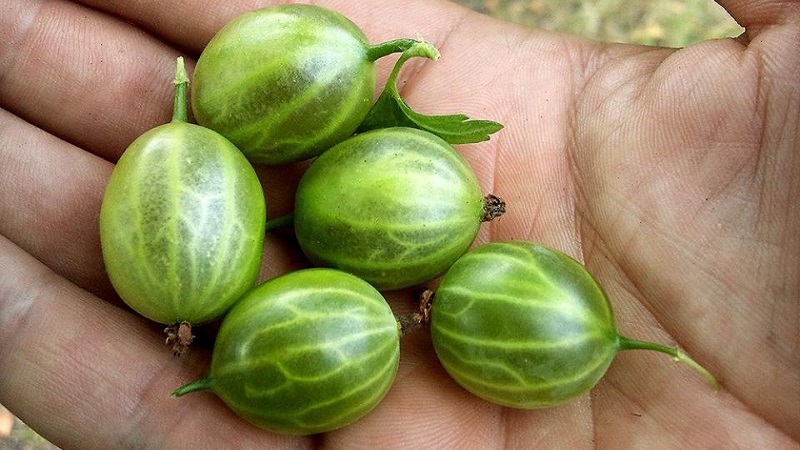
672,174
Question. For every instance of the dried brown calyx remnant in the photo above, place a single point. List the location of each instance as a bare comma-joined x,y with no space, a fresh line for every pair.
493,207
179,336
420,317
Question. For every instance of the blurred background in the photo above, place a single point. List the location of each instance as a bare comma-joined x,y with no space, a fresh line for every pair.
670,23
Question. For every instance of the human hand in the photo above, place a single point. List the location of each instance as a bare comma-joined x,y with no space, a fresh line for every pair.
671,174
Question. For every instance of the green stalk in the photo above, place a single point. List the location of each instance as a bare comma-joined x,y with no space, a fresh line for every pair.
378,51
679,356
203,384
390,110
179,110
419,49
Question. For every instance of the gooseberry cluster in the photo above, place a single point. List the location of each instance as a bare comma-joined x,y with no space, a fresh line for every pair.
387,203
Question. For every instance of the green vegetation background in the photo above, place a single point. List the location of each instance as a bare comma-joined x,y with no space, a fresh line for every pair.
670,23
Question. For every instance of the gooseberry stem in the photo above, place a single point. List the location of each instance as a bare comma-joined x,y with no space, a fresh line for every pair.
417,49
179,110
283,221
419,318
378,51
679,356
203,384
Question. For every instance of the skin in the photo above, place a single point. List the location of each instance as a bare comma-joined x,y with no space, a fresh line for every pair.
671,173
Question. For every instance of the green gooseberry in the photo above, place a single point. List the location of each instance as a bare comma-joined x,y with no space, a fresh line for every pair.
306,352
286,82
394,206
182,222
526,326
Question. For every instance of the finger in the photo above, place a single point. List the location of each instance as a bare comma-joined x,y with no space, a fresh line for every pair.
190,24
102,98
50,195
757,15
86,374
86,77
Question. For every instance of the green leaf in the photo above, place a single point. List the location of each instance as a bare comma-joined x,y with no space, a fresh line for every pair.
391,111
